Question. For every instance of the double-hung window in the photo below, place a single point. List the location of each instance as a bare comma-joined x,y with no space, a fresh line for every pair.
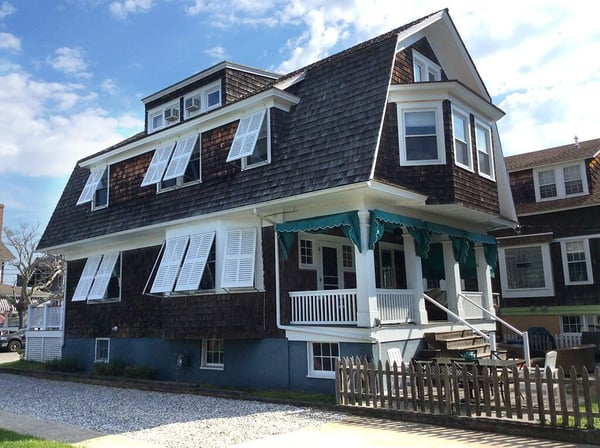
96,188
485,154
577,266
525,271
213,354
560,182
100,279
251,143
175,163
424,69
461,129
421,134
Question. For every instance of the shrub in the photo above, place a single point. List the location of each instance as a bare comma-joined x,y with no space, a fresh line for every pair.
61,365
141,372
115,368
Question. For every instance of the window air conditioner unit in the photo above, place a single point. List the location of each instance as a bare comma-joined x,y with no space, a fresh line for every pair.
172,114
192,104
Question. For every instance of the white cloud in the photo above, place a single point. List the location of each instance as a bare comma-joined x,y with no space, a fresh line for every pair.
217,53
108,86
124,8
40,139
9,42
70,61
6,9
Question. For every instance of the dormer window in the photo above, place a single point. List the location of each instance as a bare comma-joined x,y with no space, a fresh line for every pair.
96,188
175,163
251,142
163,116
424,69
560,182
202,100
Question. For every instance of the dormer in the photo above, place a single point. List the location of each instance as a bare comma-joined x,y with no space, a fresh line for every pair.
560,181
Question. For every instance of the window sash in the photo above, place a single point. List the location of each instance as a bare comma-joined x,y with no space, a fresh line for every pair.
239,258
195,261
158,165
213,353
462,139
102,350
246,136
420,136
483,142
576,262
525,267
322,356
87,194
87,278
181,157
169,264
103,276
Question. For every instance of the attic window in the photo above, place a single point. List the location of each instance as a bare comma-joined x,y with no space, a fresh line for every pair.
560,182
96,188
163,116
424,69
100,279
175,162
246,136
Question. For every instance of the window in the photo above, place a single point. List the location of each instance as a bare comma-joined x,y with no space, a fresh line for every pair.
202,100
424,69
331,257
321,359
183,264
306,253
262,149
525,271
163,116
421,136
462,139
246,136
213,354
571,324
577,267
100,279
102,350
485,155
348,257
560,182
175,164
96,188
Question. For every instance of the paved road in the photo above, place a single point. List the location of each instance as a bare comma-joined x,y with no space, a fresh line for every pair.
349,432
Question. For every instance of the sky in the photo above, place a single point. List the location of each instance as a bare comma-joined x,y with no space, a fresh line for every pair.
73,72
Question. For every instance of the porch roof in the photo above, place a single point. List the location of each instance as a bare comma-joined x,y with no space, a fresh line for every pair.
348,221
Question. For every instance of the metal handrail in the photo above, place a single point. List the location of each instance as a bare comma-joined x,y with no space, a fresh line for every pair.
523,334
457,317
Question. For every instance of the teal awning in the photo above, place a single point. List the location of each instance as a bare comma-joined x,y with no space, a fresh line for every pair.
348,222
421,231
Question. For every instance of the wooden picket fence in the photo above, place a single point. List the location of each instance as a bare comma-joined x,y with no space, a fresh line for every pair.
507,393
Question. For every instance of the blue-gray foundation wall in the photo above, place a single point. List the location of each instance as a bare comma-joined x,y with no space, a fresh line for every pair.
256,363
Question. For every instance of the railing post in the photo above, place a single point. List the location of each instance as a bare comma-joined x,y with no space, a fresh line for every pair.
526,351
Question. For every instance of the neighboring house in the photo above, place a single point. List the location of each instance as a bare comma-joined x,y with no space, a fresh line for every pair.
5,254
550,268
263,225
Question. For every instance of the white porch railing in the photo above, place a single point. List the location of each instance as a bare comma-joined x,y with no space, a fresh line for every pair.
45,317
323,307
472,311
396,305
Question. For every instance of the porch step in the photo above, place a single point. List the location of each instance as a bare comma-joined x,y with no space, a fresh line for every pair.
455,343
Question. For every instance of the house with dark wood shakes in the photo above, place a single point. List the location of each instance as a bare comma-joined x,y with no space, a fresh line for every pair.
262,225
549,269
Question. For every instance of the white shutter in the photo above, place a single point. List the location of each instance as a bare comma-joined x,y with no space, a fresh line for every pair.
246,136
86,279
169,265
195,261
181,157
91,185
103,276
239,259
157,167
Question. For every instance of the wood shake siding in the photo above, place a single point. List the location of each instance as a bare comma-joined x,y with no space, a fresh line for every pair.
238,84
126,179
215,148
245,315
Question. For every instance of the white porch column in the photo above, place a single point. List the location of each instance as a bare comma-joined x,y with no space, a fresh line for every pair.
366,295
452,272
414,277
484,280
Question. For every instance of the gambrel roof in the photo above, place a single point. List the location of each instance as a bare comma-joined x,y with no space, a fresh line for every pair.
328,140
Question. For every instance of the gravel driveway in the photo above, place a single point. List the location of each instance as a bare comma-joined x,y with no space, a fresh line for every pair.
169,420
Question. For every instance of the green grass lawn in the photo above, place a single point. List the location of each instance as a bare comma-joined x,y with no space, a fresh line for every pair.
9,439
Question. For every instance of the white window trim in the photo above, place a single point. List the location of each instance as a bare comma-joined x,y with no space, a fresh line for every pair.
312,373
245,164
204,365
427,66
466,116
102,360
588,261
203,94
101,206
239,260
560,181
246,136
490,147
547,291
91,185
426,106
98,268
583,321
315,262
160,111
318,242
